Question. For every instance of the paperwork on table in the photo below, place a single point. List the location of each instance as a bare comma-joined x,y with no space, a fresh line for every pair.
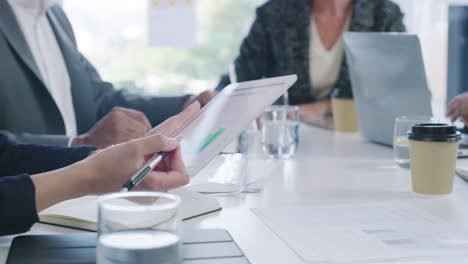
365,233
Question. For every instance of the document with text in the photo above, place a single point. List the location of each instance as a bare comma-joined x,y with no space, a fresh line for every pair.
365,233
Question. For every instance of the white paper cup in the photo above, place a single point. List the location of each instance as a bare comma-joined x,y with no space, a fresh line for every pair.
433,154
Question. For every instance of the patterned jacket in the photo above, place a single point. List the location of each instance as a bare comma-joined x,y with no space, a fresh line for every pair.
278,42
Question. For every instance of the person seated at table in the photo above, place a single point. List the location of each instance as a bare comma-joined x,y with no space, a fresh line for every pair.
304,37
41,176
458,108
51,94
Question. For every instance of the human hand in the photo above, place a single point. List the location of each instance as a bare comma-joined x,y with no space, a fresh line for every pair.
172,125
108,169
168,128
118,126
458,108
203,98
315,111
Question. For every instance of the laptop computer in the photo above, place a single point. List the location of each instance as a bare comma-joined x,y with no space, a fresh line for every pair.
200,246
388,81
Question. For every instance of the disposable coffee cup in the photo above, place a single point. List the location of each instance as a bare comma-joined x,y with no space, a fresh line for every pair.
433,155
345,117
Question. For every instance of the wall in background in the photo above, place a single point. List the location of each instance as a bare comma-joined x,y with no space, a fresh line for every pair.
429,19
113,35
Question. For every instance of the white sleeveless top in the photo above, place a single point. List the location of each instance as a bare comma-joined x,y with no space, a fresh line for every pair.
325,64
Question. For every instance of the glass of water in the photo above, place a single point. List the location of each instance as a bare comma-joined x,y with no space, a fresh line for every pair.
400,138
139,227
280,131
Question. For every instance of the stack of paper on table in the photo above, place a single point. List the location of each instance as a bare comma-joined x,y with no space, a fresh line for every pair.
365,233
81,213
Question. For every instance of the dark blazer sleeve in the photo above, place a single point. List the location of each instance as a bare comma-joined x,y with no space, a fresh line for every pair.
17,193
156,108
45,139
255,53
17,204
17,158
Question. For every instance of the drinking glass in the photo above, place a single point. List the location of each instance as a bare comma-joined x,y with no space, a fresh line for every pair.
400,137
139,227
280,131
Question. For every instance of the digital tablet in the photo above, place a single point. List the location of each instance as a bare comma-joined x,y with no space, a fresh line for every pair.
224,118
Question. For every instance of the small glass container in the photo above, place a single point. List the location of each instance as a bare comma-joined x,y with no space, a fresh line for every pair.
280,131
400,137
139,227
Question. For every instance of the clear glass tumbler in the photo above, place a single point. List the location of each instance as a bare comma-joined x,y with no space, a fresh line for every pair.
280,131
139,227
400,138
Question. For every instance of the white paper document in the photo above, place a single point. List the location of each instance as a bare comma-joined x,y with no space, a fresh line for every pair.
172,23
365,233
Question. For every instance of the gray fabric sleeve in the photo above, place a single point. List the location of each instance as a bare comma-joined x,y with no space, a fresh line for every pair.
41,139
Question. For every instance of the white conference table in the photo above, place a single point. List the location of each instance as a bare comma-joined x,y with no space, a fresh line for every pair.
329,168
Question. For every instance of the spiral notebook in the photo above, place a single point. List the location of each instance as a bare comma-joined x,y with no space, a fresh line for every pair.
81,213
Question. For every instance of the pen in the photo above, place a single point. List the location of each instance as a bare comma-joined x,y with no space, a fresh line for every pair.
147,168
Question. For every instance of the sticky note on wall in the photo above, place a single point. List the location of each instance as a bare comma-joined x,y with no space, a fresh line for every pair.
172,23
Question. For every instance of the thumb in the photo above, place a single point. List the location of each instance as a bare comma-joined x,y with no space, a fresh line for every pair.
185,116
175,123
156,143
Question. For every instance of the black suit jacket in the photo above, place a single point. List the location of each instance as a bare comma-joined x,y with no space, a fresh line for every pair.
26,107
17,194
278,42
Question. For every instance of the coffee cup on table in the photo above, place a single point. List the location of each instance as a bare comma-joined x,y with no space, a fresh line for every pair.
345,117
433,155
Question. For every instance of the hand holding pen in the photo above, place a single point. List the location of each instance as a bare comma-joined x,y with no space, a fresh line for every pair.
169,127
156,161
107,170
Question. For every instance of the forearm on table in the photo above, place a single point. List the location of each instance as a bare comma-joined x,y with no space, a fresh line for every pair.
320,106
60,185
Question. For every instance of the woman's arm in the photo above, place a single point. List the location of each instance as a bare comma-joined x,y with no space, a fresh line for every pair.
17,158
17,193
21,197
108,170
317,111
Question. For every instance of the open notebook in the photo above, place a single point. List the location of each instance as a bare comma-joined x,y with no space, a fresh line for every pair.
81,213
